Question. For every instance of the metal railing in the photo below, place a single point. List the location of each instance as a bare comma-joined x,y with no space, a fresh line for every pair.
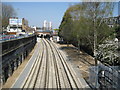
11,37
105,76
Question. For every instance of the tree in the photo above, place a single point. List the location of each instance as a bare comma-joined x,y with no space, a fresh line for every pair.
7,12
108,52
97,11
89,27
56,29
117,29
66,27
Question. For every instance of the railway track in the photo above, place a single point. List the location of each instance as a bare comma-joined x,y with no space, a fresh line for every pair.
50,69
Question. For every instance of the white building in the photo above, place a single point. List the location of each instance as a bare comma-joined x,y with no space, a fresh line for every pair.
50,25
45,24
34,27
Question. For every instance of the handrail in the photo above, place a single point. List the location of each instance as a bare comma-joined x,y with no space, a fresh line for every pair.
17,38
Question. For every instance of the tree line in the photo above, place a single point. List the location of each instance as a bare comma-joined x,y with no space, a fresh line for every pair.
84,25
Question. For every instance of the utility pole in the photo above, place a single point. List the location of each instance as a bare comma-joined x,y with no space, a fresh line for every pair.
17,25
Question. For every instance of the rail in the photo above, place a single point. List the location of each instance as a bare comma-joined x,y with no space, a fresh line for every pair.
50,69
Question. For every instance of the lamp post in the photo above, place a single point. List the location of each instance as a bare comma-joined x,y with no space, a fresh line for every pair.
17,25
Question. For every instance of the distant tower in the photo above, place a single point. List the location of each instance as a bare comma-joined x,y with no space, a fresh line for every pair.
45,24
50,25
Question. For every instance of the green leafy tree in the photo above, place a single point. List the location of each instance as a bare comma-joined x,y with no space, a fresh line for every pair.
89,28
117,29
66,27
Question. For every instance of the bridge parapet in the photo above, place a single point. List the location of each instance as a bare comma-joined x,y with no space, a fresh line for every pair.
11,45
13,53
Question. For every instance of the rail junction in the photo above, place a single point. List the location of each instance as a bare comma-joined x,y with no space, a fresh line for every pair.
48,68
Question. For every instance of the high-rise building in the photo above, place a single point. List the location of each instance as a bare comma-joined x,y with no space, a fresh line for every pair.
45,25
50,25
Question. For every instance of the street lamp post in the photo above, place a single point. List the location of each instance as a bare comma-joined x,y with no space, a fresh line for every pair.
17,25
